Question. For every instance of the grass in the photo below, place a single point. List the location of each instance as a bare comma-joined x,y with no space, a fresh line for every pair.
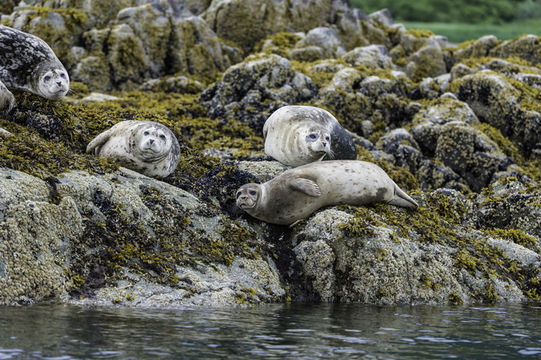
457,33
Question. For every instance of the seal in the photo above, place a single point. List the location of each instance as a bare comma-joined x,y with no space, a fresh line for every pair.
144,146
298,192
28,63
296,135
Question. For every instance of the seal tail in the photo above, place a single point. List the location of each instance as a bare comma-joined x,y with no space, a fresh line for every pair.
402,199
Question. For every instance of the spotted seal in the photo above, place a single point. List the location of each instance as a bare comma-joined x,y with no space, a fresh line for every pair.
28,63
144,146
296,135
298,192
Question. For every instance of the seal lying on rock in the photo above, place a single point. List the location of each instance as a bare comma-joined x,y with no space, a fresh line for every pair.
297,193
298,135
28,63
144,146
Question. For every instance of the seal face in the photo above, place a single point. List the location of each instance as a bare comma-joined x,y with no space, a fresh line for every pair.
144,146
297,193
297,135
28,63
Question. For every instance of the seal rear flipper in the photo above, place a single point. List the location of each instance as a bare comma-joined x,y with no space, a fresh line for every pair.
307,186
96,144
402,199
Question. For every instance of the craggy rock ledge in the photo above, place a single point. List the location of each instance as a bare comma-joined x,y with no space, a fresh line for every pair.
458,127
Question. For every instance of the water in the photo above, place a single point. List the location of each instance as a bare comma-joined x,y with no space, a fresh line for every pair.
272,331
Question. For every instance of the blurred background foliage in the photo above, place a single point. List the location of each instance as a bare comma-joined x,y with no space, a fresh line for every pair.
462,20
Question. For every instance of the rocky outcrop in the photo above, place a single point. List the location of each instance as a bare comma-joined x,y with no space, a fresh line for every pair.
457,127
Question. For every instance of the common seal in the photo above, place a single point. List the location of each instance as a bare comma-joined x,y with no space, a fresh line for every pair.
144,146
298,192
296,135
28,63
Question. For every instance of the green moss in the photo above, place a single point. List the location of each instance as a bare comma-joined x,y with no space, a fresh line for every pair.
420,33
76,16
320,78
455,299
281,42
515,235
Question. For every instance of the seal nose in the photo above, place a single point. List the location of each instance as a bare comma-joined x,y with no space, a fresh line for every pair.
324,143
59,83
151,141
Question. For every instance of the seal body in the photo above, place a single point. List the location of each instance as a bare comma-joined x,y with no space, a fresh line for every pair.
298,192
144,146
297,135
28,63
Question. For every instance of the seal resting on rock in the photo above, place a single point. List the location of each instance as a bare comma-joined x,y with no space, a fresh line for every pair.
298,192
28,63
144,146
297,135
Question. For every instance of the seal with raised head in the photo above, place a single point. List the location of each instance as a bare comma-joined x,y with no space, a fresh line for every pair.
296,135
144,146
298,192
28,63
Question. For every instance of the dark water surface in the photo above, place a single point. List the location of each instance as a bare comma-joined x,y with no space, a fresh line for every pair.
273,331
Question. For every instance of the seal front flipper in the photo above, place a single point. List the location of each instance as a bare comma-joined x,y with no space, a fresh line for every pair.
7,100
307,186
96,144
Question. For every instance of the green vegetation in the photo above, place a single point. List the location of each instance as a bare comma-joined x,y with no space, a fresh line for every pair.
479,11
463,20
458,32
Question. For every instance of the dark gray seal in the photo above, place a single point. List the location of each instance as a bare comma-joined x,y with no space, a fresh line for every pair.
28,63
296,135
298,192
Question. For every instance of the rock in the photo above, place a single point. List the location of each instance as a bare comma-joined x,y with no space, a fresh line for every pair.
378,268
252,90
66,256
262,19
525,47
176,84
98,97
428,61
497,102
476,49
244,282
373,56
324,38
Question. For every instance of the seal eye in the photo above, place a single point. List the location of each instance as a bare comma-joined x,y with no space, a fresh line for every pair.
146,133
327,138
312,137
62,75
47,78
252,192
162,136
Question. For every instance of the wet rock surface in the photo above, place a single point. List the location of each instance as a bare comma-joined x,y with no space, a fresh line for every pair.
456,126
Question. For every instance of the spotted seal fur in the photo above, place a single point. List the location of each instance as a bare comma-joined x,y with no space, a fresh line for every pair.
297,135
298,192
144,146
28,63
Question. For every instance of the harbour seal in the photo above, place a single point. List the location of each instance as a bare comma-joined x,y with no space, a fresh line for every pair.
298,192
296,135
28,63
144,146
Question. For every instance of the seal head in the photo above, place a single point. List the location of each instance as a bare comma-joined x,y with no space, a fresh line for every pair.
150,143
51,82
248,196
